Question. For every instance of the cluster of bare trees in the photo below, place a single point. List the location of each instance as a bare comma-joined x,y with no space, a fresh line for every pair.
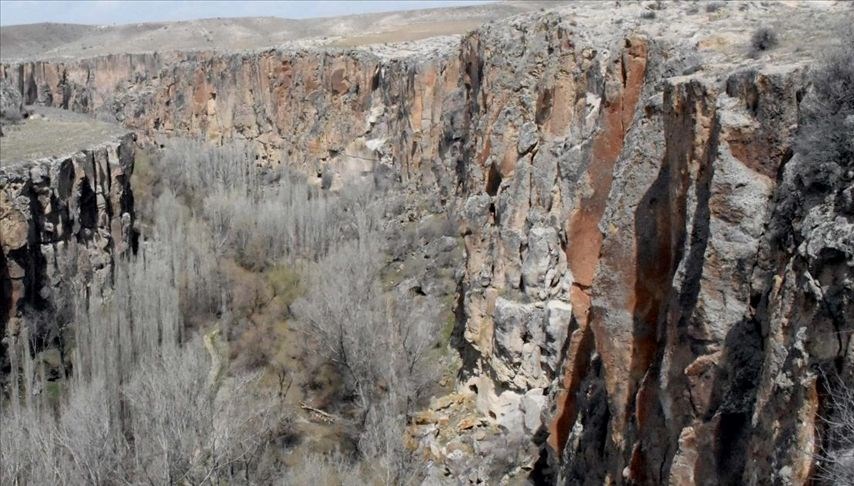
146,404
836,460
150,401
372,335
194,168
153,398
283,222
260,216
168,424
380,345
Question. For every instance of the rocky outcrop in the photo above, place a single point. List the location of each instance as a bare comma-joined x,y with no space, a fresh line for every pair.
650,296
11,101
61,217
11,105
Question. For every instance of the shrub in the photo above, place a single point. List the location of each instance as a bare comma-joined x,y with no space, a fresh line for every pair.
13,115
326,180
254,348
836,461
383,447
285,282
648,15
713,7
247,291
323,470
825,139
763,39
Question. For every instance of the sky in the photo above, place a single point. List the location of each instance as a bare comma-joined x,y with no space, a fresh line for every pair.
105,12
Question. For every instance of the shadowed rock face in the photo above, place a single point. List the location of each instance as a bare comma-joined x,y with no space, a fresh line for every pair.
633,251
61,217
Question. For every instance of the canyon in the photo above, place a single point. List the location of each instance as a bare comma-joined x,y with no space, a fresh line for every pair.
652,290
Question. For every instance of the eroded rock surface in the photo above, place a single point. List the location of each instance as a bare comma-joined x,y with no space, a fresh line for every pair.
649,292
63,216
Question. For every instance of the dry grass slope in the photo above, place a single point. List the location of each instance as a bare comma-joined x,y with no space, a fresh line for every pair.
52,132
48,40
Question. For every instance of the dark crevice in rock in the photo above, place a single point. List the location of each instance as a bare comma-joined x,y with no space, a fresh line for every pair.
88,204
467,353
584,463
493,180
31,256
736,389
5,310
544,106
542,474
576,368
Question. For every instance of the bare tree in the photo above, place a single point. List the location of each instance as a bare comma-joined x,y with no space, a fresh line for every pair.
380,345
79,446
345,314
836,460
324,470
184,428
187,428
89,445
194,168
382,444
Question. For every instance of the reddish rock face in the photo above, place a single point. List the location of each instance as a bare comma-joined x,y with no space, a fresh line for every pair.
622,224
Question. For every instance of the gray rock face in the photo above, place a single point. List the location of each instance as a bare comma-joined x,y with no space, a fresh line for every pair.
650,287
11,104
11,100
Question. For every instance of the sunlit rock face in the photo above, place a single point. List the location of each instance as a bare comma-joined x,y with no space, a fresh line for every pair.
648,292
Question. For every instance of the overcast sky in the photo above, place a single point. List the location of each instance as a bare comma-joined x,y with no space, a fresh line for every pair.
127,12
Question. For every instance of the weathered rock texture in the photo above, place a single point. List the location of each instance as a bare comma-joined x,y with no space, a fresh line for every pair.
305,107
643,298
11,104
11,101
61,217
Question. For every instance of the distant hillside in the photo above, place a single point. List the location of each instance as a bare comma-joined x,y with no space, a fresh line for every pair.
48,40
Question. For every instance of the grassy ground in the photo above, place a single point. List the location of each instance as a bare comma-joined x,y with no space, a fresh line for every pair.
410,33
53,133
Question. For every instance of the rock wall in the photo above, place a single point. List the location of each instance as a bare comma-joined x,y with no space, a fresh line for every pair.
647,298
61,217
310,108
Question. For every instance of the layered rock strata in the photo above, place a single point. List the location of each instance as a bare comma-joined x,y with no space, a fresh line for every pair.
647,298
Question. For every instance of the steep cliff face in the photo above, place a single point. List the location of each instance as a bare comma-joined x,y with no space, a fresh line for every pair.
650,294
61,217
635,206
309,108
